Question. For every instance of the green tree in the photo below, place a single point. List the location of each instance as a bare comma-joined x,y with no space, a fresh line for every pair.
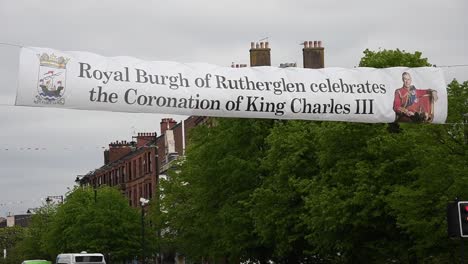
35,244
358,194
392,58
106,224
205,202
440,175
277,205
10,237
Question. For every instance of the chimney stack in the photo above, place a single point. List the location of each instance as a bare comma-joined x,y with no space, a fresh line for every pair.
313,54
260,54
117,150
143,139
167,123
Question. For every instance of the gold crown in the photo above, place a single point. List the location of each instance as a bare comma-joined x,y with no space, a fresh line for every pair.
53,61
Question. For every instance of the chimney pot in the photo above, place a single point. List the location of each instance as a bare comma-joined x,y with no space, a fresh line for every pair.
313,55
252,45
267,45
260,56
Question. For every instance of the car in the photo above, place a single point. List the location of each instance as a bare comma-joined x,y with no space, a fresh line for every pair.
36,261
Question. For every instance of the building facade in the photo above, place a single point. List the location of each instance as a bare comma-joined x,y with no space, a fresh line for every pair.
134,166
22,220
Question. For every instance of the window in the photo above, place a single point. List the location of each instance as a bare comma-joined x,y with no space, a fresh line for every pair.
149,162
88,259
129,168
140,166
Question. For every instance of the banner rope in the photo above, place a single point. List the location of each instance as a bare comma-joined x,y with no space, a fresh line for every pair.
10,44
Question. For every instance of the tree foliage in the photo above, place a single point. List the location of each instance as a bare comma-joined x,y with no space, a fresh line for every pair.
392,58
205,202
104,223
10,238
320,192
36,244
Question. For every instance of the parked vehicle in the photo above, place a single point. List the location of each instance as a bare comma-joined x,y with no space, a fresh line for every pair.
36,261
80,258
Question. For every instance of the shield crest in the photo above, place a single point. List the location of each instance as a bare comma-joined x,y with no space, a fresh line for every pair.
51,79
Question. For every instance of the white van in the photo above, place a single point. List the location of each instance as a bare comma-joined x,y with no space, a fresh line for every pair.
80,258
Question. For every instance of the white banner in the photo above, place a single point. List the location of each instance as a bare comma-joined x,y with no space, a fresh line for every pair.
81,80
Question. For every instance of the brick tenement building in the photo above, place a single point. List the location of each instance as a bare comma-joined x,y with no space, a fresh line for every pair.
134,166
131,166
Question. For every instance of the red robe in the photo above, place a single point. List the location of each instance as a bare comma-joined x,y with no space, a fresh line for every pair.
417,101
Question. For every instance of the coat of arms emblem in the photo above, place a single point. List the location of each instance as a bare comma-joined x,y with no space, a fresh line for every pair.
51,80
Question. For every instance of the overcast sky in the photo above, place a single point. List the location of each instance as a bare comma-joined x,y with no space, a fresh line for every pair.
42,150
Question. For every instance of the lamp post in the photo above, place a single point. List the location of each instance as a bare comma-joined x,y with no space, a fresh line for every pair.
50,198
31,210
143,203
